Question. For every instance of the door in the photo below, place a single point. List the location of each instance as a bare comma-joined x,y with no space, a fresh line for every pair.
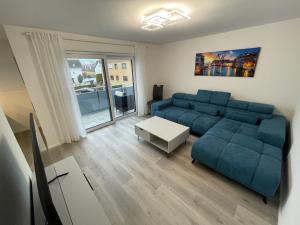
88,75
121,79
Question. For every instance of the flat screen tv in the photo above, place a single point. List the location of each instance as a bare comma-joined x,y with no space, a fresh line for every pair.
51,215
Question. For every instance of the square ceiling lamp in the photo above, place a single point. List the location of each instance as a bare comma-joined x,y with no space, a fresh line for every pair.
162,18
151,26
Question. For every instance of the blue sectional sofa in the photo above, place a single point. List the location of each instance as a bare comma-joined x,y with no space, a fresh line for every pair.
239,139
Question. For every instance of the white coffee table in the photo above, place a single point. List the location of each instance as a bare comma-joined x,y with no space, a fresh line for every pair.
162,133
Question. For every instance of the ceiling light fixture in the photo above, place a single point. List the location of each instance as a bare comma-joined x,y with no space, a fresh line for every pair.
152,26
162,18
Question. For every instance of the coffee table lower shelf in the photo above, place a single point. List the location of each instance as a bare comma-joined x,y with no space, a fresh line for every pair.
166,146
160,143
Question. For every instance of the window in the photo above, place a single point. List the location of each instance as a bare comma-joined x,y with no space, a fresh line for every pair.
111,77
89,80
110,66
124,81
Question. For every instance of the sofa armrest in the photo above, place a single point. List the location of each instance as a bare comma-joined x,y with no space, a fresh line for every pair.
160,105
273,131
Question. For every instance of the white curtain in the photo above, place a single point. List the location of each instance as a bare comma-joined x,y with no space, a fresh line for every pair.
141,79
55,81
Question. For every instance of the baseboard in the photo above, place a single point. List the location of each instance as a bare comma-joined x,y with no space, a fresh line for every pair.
51,146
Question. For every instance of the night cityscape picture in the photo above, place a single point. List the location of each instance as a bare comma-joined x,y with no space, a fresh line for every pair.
231,63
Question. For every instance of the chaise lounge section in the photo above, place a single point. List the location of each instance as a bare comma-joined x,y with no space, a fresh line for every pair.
239,139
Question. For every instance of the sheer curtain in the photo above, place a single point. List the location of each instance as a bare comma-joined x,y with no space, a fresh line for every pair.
55,80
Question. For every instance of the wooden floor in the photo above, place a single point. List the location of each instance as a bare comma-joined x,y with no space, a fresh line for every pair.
137,184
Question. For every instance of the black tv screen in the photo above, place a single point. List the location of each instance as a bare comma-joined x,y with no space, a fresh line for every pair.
48,207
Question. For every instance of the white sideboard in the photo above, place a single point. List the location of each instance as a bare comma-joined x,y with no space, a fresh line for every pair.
72,195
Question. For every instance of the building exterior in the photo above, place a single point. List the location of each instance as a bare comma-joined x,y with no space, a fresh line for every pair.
75,70
120,73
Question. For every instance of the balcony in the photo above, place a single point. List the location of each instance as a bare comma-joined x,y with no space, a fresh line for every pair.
94,104
100,117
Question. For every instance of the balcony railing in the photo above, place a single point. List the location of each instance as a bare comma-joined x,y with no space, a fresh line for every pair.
94,104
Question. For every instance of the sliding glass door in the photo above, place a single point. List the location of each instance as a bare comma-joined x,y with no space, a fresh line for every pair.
92,90
104,87
120,71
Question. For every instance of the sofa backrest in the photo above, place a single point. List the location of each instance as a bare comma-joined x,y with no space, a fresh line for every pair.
250,111
234,109
211,99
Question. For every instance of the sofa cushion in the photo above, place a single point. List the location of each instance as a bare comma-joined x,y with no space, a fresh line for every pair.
273,131
181,103
238,163
261,116
207,150
201,104
220,109
188,117
260,108
174,114
236,104
248,129
190,97
163,106
226,135
160,105
272,151
226,129
203,123
247,142
258,116
206,109
179,95
219,98
244,117
267,176
204,95
162,113
228,124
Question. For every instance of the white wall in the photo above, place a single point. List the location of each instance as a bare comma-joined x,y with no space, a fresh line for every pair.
13,95
72,42
15,174
290,194
277,75
7,135
152,59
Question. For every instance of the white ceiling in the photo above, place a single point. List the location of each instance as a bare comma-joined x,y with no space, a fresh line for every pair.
120,19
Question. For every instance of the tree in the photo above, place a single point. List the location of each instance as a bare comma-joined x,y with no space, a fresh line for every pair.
99,79
80,78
